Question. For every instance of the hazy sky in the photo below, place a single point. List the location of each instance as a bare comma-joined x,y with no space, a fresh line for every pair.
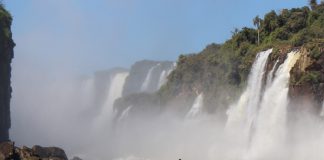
87,35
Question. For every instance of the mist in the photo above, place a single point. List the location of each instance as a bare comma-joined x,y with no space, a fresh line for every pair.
55,90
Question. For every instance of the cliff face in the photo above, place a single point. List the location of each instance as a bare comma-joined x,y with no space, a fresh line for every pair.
307,81
211,72
6,55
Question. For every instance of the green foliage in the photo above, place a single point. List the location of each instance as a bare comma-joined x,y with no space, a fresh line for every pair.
312,77
228,65
271,22
5,32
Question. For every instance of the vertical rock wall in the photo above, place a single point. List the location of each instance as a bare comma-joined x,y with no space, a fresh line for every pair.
6,55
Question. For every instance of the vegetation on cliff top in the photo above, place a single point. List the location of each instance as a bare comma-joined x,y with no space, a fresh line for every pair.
220,70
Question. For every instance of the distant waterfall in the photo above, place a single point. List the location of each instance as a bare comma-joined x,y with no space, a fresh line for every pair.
243,114
115,91
125,113
196,107
163,77
148,78
271,123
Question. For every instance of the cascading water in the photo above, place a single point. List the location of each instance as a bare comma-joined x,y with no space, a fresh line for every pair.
163,76
196,107
125,113
262,116
115,91
243,114
271,122
148,78
270,74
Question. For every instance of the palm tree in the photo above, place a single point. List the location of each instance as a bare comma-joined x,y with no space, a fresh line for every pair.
256,22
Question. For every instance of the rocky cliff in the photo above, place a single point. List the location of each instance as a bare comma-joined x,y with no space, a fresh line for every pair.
6,55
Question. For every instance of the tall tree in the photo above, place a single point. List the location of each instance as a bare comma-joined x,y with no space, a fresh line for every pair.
256,22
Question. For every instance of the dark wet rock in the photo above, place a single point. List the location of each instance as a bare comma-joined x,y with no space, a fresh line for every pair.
49,152
76,158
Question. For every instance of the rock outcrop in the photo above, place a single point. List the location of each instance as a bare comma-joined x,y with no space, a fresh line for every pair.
10,152
307,82
6,55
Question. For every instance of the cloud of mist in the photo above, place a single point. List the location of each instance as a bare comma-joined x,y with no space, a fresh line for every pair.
50,102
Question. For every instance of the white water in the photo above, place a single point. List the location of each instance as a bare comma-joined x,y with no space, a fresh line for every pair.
270,126
148,78
115,91
262,115
243,114
163,77
125,113
271,74
197,106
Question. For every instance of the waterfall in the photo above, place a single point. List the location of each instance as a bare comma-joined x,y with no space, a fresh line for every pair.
115,92
270,74
270,126
261,116
196,107
163,77
243,113
146,83
125,113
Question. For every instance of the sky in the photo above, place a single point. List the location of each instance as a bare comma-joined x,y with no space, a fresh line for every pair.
82,36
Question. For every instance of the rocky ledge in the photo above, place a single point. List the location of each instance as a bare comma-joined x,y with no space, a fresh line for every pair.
8,151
